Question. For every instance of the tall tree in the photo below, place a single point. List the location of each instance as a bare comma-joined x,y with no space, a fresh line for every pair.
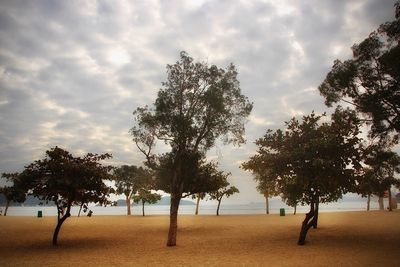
126,181
15,192
195,106
68,180
371,80
313,162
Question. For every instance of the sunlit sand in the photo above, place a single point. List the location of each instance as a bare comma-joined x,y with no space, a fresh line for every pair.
343,239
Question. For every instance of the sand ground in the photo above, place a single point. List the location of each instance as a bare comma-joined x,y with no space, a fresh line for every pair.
343,239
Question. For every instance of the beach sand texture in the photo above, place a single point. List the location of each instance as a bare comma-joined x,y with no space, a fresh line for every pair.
343,239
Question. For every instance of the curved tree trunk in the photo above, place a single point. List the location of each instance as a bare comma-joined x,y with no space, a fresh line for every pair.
60,221
266,205
368,201
390,200
197,205
306,225
143,207
173,219
128,204
219,204
295,210
381,206
7,205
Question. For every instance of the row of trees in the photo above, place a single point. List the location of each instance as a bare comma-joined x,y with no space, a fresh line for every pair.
312,162
66,181
137,184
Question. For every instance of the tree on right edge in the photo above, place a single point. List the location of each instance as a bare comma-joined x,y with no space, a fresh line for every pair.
319,159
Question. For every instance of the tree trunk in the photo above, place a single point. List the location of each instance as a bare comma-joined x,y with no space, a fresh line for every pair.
381,206
368,201
315,220
60,221
306,225
219,204
266,205
390,200
128,205
295,210
173,219
197,205
80,209
143,207
7,205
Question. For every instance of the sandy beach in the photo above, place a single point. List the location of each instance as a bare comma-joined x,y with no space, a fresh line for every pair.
343,239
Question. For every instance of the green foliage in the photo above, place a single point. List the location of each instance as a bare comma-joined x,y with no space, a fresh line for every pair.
196,105
17,191
65,179
370,81
127,179
68,180
309,161
146,196
379,175
226,191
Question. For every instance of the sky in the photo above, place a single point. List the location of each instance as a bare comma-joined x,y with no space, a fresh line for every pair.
72,72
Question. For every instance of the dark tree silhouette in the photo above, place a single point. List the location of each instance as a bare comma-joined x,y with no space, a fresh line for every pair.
68,180
15,192
312,162
370,81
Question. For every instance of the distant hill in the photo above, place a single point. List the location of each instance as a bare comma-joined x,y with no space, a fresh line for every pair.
166,200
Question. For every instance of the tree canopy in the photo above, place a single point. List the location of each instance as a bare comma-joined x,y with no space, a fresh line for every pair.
15,192
310,162
68,180
128,180
196,105
370,80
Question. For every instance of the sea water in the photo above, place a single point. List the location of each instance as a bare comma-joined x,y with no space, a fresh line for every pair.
204,209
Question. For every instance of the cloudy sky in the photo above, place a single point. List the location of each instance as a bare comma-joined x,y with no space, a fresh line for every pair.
72,72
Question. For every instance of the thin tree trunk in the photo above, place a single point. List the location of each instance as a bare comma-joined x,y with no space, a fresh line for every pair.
60,221
219,204
143,207
80,209
306,225
295,209
368,202
7,205
266,205
390,200
128,204
381,206
197,205
315,220
173,219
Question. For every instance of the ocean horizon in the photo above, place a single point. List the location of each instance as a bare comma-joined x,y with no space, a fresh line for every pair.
204,209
